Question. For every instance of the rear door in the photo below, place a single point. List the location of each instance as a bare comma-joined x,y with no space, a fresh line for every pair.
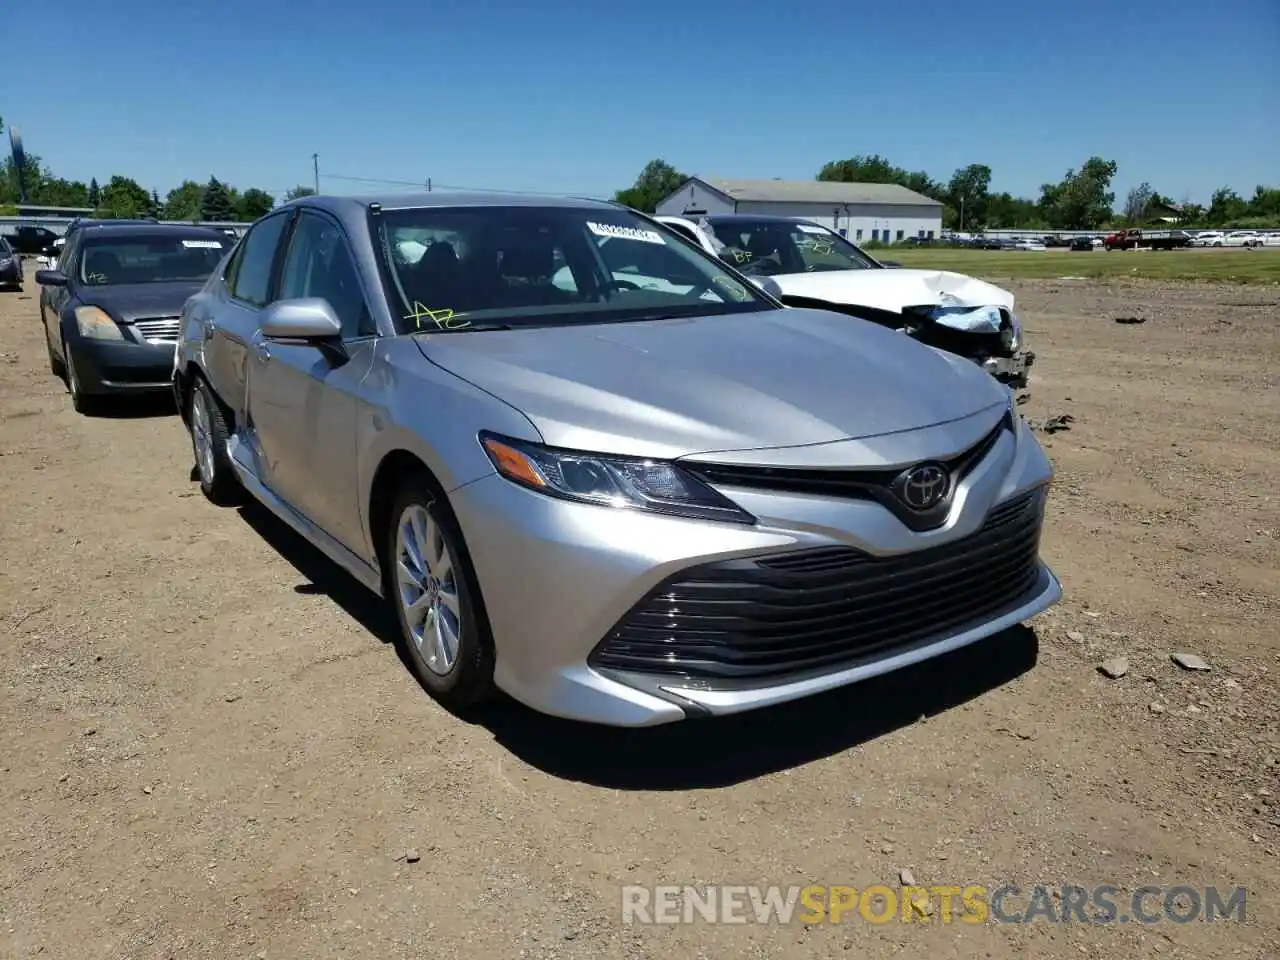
304,401
230,319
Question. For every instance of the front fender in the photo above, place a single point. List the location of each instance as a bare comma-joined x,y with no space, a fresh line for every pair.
413,406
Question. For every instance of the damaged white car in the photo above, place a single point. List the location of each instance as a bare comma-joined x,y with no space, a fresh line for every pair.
813,266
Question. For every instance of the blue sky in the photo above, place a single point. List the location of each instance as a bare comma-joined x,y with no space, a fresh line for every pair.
562,96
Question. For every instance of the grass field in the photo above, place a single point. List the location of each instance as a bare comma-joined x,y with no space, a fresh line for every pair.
1230,266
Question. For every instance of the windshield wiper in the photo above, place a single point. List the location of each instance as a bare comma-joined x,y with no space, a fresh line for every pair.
465,328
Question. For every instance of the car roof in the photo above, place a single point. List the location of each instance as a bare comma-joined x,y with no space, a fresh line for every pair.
444,198
758,218
137,228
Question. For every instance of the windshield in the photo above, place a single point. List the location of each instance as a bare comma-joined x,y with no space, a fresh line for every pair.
156,258
460,268
4,247
772,247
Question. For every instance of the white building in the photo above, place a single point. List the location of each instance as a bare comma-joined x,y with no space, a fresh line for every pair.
860,211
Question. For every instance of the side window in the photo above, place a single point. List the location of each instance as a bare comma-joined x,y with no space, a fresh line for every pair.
684,231
319,264
249,277
68,251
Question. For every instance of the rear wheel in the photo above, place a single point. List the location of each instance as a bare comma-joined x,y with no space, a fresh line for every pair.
429,582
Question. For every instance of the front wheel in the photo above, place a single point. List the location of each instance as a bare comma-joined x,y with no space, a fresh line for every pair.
428,580
81,402
209,437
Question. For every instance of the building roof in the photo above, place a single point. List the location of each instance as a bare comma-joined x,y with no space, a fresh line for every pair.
816,191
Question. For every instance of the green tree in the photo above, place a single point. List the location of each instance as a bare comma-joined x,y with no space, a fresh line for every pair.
1082,200
1265,203
871,168
657,181
299,191
95,193
876,169
122,197
152,207
215,202
254,203
1138,203
1226,209
182,202
969,192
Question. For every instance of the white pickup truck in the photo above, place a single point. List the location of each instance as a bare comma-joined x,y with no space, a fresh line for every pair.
813,266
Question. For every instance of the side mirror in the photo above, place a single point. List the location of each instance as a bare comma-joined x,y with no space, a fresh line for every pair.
51,278
768,285
307,318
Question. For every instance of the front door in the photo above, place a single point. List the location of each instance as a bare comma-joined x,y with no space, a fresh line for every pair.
304,400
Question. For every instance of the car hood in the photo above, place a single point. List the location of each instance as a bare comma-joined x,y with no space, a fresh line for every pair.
672,388
134,301
894,289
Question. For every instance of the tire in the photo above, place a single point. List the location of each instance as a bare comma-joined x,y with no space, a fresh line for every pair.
56,366
81,402
449,648
218,480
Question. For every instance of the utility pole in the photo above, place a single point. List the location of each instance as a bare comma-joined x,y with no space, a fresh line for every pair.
962,213
315,167
428,184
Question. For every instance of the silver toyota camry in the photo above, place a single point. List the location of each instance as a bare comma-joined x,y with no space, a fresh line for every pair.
590,465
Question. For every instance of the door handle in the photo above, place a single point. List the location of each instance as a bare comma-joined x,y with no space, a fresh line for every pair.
263,351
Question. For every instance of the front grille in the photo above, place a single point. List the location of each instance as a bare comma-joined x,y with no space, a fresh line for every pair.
158,329
874,485
786,614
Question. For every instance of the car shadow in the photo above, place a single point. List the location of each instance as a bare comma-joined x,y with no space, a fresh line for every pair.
703,753
323,576
143,407
722,751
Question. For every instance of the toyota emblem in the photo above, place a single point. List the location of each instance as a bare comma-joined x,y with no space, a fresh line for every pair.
924,486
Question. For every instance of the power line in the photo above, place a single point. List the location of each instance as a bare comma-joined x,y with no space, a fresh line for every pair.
418,184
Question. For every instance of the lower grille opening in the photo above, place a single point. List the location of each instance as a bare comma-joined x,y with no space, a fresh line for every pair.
763,618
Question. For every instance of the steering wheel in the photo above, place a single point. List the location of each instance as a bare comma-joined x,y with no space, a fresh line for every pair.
615,284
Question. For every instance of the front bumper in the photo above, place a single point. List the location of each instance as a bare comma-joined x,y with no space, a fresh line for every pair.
1014,371
559,578
116,367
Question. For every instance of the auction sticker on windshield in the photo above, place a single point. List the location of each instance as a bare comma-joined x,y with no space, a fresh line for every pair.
808,228
202,244
624,233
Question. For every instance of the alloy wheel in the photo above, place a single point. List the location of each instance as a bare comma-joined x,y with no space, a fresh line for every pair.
202,437
427,581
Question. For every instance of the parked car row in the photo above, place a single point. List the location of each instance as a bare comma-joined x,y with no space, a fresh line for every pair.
583,459
1234,238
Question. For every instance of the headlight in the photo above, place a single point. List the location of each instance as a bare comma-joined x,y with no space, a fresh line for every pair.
94,323
609,481
1011,336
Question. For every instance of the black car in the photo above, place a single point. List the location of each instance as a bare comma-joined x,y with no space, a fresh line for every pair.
79,223
31,240
1082,243
111,309
10,266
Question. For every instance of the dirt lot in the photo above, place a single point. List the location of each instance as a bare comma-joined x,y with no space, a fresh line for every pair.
209,750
